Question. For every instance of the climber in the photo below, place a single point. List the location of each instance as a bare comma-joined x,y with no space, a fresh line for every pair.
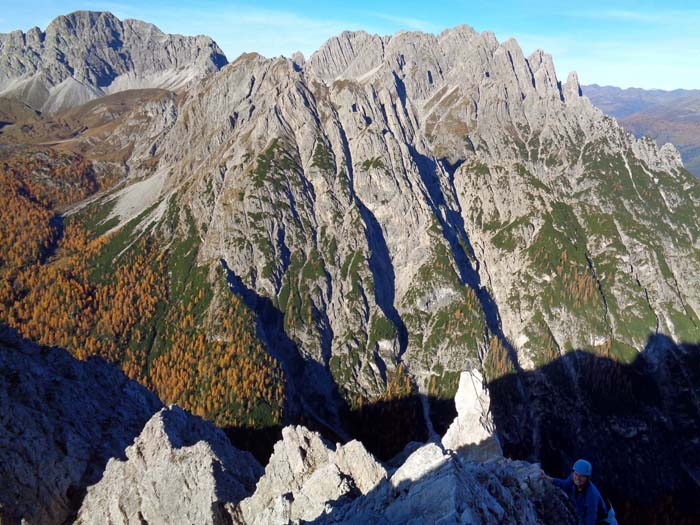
590,507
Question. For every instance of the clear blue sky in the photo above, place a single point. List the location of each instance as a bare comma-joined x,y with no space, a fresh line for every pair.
626,43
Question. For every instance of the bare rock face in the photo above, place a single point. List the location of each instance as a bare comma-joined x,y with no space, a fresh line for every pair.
409,200
181,469
307,482
304,475
472,433
86,54
61,420
435,487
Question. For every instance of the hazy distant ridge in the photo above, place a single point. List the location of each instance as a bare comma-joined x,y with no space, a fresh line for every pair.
667,116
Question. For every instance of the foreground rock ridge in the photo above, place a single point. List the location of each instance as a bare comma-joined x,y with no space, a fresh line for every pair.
182,470
85,55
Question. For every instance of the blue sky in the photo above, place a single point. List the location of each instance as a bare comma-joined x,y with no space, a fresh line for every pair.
625,43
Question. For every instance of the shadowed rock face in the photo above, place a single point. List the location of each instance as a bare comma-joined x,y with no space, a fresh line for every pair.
61,420
86,54
638,424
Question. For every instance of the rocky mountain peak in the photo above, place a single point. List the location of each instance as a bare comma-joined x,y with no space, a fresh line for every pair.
87,54
462,31
440,169
180,469
350,54
80,21
572,88
459,54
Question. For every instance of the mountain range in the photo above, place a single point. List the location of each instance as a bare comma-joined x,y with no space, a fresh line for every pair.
333,240
666,116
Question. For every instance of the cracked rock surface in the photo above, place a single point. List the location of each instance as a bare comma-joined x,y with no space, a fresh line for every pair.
86,54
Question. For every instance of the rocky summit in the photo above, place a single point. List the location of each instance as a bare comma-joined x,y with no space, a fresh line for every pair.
85,55
180,469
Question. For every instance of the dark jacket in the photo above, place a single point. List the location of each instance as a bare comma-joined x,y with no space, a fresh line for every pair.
589,504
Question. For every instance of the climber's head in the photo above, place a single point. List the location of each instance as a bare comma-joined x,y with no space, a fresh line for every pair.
581,472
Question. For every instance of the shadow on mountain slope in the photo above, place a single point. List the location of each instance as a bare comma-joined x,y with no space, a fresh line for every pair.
310,390
453,231
384,428
314,398
638,423
383,276
61,420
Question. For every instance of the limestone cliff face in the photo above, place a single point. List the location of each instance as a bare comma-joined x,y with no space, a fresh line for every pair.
425,200
84,55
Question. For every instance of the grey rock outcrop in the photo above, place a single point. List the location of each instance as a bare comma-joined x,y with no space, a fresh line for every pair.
434,487
61,420
86,54
422,203
180,469
305,474
472,433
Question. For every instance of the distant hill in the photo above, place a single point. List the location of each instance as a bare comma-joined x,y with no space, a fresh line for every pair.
667,116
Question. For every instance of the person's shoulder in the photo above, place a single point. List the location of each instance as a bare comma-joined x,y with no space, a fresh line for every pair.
594,490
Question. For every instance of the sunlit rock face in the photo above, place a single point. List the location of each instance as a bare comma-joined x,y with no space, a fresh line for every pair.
87,54
425,200
471,434
180,469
